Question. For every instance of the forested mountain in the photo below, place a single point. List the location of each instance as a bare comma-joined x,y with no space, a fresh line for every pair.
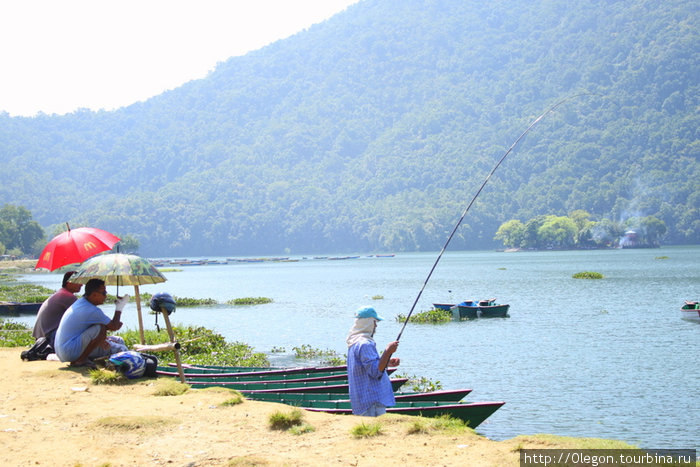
371,131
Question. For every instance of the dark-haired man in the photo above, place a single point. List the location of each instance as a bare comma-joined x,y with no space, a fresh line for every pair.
54,307
82,334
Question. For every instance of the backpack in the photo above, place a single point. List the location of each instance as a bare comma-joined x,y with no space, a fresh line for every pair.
39,351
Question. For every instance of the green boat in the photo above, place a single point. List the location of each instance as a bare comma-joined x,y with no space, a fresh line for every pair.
315,386
294,398
242,370
472,414
264,376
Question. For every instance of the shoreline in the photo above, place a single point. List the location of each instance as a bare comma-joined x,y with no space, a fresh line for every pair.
54,415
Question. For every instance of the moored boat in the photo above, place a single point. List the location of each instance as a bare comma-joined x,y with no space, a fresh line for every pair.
263,376
491,309
472,414
465,310
17,308
451,395
316,386
690,311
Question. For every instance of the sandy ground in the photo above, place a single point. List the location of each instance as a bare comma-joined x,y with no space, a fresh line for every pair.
53,415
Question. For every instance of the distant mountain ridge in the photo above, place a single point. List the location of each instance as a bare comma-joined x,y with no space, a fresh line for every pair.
370,132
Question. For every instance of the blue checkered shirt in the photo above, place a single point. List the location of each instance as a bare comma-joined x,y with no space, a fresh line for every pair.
367,385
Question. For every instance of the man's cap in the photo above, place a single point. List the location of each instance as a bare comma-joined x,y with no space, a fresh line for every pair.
368,312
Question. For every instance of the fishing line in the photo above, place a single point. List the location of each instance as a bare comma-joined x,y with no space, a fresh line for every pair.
459,222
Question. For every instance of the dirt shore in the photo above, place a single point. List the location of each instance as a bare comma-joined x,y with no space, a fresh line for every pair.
54,415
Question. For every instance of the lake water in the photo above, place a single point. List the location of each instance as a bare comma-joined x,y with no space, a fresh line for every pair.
604,358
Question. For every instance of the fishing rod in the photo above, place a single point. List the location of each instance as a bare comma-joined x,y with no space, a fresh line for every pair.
459,222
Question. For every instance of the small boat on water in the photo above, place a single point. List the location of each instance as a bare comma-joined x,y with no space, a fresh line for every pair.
491,309
17,308
690,311
471,309
465,310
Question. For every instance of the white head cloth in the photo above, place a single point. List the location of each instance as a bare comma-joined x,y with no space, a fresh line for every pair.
362,329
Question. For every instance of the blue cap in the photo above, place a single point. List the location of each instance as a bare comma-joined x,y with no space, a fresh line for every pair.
368,312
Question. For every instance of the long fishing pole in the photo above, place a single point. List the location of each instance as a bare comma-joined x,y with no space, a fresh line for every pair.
459,222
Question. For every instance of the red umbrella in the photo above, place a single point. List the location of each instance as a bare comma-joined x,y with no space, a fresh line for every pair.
75,246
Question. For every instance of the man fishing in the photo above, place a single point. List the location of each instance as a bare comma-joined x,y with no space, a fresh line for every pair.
370,388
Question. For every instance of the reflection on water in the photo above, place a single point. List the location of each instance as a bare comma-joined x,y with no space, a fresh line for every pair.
599,358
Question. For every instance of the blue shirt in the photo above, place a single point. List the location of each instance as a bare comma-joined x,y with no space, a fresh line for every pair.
367,384
78,317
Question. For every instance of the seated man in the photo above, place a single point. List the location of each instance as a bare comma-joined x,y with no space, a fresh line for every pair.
82,333
54,307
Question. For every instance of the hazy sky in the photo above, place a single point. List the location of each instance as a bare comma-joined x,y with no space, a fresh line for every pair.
60,55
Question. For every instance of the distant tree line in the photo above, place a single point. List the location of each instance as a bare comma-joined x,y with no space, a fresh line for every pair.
578,230
19,234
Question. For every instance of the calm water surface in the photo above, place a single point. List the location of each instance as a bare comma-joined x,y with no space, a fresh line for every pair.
604,358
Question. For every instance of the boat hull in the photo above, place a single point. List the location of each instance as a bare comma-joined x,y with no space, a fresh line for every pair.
494,311
16,308
316,386
460,312
472,414
691,311
296,398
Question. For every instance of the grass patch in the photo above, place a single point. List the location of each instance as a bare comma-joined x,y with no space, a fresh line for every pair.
433,316
103,376
587,275
247,461
366,430
170,388
662,257
564,442
378,297
443,424
249,301
302,429
134,423
236,399
284,421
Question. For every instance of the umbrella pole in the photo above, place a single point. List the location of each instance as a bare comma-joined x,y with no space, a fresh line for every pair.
138,309
172,340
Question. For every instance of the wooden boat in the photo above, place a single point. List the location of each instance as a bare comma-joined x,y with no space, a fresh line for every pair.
257,386
472,414
264,376
690,311
214,370
443,306
17,308
491,309
465,310
453,395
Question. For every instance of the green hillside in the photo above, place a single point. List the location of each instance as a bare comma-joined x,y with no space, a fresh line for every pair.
372,130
